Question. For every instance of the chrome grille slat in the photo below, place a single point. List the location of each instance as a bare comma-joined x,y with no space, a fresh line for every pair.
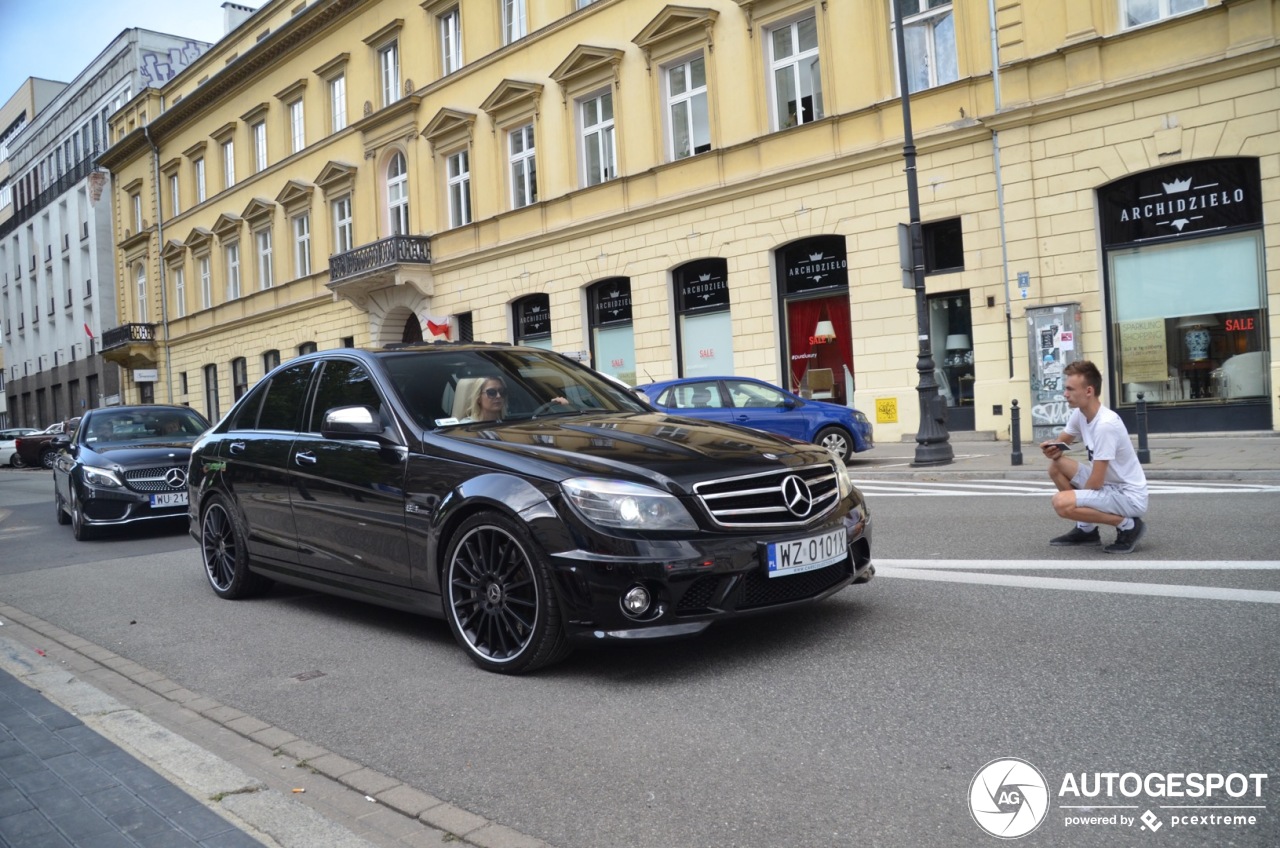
151,479
756,500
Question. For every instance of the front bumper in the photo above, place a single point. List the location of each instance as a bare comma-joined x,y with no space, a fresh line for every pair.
102,506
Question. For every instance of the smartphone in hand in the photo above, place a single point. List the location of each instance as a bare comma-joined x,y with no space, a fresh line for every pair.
1062,446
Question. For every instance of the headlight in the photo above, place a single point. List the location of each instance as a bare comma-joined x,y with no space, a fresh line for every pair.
629,506
843,478
861,417
100,477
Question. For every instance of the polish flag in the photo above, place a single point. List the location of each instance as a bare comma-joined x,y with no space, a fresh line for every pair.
87,331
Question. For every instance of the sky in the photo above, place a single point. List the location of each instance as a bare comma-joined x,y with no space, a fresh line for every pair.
57,39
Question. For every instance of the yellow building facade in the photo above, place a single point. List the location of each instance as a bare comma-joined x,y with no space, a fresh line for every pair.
717,188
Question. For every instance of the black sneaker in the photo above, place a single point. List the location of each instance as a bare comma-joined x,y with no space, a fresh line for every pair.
1077,537
1127,540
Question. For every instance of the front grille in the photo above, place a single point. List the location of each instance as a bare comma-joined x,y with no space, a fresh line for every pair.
758,590
758,500
153,479
698,596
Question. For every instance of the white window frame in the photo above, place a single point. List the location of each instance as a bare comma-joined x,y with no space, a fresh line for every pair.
450,41
1163,9
137,212
338,103
458,171
175,195
232,254
260,147
297,126
922,28
206,281
515,20
201,189
266,268
599,135
389,72
141,280
228,163
799,64
523,166
302,245
180,290
694,99
398,195
343,230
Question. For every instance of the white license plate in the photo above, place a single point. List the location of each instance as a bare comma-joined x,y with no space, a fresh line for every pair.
802,555
169,499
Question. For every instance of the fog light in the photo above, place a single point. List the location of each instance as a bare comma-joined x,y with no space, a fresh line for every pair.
636,601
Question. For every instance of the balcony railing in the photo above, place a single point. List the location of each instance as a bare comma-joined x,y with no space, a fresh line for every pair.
42,199
127,334
386,253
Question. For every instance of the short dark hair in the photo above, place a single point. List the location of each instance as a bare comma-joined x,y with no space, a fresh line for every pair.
1086,369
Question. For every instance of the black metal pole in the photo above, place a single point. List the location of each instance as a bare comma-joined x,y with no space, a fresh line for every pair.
1144,454
933,444
1015,434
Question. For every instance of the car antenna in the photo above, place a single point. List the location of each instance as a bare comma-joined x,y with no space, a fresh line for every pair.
648,375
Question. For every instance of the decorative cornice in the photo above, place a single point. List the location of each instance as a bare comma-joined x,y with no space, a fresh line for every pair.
449,127
331,67
227,226
384,34
224,132
512,96
258,209
585,64
335,175
292,92
676,24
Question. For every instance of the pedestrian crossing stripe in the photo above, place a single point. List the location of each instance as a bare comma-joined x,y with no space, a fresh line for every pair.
1036,488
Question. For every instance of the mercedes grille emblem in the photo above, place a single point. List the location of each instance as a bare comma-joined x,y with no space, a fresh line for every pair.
176,478
796,495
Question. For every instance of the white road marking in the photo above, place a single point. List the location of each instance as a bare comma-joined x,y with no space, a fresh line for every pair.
1032,488
1076,565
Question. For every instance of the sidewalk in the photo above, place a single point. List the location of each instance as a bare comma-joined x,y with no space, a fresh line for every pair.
1252,457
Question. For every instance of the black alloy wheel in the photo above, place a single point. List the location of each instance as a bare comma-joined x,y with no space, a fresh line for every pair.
47,458
837,441
16,461
225,552
498,596
79,525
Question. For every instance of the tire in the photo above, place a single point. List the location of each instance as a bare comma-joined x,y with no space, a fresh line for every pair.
498,596
225,552
79,527
60,508
837,440
47,458
16,461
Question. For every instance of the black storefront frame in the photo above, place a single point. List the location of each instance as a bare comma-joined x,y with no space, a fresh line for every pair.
711,272
1139,211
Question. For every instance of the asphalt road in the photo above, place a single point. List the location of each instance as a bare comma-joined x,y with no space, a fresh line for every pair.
861,721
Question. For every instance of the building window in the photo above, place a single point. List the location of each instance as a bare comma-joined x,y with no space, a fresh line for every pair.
175,200
795,73
612,338
302,245
142,294
206,282
690,124
705,326
459,165
338,102
943,246
342,229
259,147
450,41
200,185
179,290
137,212
1138,12
598,151
307,347
239,377
211,393
389,69
929,32
514,20
233,271
531,316
270,359
297,126
524,167
266,277
228,164
398,194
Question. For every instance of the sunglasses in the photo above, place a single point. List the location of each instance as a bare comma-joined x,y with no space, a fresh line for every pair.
495,393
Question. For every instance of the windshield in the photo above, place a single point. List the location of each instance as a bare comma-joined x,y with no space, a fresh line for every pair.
444,389
151,425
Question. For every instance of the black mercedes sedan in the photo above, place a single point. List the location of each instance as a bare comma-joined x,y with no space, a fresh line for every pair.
518,495
124,464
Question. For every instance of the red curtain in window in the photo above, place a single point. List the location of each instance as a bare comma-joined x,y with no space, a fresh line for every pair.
805,352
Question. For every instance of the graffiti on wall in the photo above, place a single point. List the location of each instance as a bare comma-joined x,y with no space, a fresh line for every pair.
158,67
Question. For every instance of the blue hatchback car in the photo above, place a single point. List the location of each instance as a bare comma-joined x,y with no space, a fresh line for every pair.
764,406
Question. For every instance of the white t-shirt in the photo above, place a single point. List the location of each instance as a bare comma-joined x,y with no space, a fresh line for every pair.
1105,437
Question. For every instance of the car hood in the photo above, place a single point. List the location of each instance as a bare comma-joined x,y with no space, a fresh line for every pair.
649,446
134,456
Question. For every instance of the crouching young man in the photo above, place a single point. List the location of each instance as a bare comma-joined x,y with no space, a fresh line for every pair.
1109,487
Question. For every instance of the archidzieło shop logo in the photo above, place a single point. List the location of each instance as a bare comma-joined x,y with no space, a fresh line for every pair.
1008,798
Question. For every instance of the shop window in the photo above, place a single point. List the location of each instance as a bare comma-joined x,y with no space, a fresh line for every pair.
612,336
951,345
705,325
531,317
818,347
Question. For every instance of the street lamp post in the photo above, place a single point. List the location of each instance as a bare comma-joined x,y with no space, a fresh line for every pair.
933,445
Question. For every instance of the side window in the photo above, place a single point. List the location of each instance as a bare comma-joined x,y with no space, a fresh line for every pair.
696,396
754,394
342,383
286,393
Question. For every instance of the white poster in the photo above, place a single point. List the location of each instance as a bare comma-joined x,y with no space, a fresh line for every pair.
706,345
616,353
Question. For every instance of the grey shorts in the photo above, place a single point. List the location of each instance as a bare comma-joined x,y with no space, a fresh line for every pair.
1110,499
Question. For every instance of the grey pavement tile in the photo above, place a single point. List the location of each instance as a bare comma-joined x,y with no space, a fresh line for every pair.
200,822
231,839
57,801
10,747
59,720
114,760
47,745
138,821
111,839
25,827
168,799
51,839
84,826
36,781
87,740
12,801
21,764
140,778
167,839
86,778
113,800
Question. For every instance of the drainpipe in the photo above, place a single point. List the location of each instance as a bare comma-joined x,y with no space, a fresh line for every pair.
995,146
164,285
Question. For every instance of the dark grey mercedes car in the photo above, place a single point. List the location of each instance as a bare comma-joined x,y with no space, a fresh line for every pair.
518,495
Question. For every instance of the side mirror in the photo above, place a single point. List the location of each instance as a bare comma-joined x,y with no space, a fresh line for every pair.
351,422
60,441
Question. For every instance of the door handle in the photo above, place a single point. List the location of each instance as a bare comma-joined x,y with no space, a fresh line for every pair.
304,458
236,447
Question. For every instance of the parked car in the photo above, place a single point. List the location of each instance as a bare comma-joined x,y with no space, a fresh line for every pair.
124,464
519,496
764,406
8,445
37,448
